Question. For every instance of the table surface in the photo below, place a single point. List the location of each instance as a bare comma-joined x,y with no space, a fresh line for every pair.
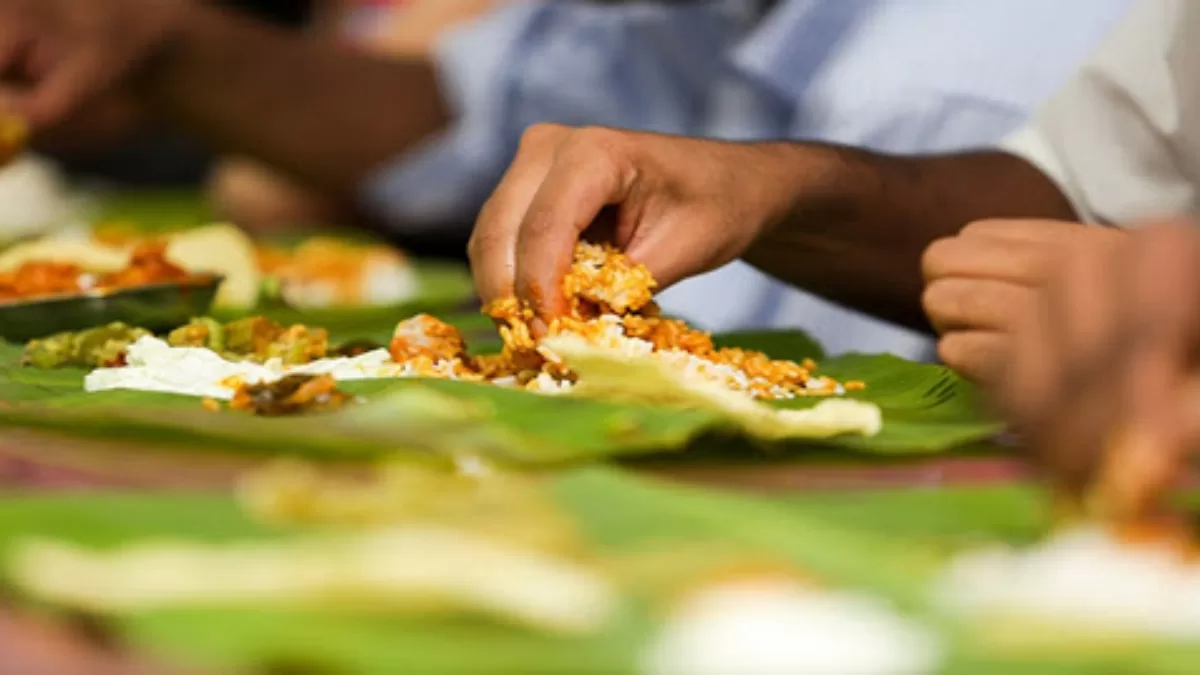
31,645
46,461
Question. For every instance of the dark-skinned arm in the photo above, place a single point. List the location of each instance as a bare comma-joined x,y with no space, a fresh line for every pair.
857,229
319,111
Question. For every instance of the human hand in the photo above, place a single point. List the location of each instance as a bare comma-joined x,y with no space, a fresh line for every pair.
979,283
262,201
1101,382
679,206
59,56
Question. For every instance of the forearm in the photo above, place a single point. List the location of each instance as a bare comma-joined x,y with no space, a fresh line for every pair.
856,232
310,108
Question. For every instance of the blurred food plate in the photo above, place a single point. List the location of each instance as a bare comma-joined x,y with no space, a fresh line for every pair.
158,306
353,286
591,570
43,293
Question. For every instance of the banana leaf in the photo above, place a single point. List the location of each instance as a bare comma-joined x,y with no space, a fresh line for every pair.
153,210
620,514
927,409
888,543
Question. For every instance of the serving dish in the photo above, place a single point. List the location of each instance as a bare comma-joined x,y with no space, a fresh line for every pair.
156,307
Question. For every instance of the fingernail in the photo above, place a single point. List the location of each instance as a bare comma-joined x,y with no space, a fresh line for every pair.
538,327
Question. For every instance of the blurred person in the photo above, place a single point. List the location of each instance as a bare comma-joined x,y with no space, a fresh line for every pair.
1120,142
333,120
260,199
936,75
124,151
421,142
38,191
1103,380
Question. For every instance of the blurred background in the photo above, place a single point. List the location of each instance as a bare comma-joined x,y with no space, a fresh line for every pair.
414,162
156,157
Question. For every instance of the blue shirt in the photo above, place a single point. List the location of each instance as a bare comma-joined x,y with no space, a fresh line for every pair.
892,75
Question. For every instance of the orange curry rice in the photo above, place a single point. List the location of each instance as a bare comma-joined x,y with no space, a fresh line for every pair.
38,279
610,305
291,395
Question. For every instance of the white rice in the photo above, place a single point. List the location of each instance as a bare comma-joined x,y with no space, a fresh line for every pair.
382,282
1084,579
34,199
309,293
775,628
545,383
612,336
153,365
387,282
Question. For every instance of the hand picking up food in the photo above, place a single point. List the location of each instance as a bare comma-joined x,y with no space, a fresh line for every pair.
1100,379
1101,367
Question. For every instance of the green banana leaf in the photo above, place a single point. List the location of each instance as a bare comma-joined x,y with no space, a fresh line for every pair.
620,514
926,409
153,210
886,543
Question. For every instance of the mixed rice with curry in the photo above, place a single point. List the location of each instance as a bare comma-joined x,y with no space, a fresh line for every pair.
610,304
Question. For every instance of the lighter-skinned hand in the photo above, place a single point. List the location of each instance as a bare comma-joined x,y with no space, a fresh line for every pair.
1102,381
978,283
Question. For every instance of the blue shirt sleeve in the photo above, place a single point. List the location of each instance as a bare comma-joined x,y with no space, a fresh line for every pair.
640,66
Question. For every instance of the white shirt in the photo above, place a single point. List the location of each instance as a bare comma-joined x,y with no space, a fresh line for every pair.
1122,138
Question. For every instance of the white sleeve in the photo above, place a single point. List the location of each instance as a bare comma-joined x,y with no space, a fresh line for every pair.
1114,138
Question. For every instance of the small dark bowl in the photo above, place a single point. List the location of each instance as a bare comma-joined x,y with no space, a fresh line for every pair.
155,307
